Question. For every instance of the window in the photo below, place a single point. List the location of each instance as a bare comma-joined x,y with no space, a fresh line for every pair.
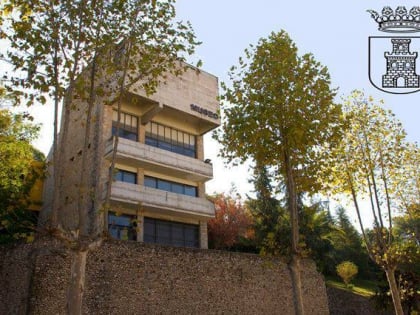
190,191
170,233
166,185
170,139
126,177
122,227
128,126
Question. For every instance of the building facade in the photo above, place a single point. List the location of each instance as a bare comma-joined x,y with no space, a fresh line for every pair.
157,194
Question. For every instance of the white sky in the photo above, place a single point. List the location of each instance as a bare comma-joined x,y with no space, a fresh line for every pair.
336,32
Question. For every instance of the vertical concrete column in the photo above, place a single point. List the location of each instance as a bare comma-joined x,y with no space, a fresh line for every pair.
200,148
140,216
140,176
204,243
201,190
107,123
141,133
140,227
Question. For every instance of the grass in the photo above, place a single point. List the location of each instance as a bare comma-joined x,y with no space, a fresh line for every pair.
361,287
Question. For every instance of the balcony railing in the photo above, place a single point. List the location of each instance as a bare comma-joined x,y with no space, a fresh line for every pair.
160,200
141,155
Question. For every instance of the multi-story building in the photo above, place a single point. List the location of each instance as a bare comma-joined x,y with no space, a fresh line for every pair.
158,191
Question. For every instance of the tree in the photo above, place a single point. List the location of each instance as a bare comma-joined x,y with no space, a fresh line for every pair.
279,112
318,230
347,243
326,240
267,213
232,224
407,190
61,50
18,174
370,162
406,229
92,50
347,271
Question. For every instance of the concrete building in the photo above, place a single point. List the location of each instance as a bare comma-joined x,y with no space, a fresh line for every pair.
158,192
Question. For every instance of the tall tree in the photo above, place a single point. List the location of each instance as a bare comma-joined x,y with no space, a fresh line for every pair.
369,163
406,229
18,174
62,49
279,112
92,50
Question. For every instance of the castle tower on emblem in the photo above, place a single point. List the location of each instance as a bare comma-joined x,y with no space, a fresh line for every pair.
401,66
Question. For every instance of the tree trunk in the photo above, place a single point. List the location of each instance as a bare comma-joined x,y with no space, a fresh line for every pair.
77,282
395,292
294,265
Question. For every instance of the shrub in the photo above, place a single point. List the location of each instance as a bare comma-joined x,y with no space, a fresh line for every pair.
346,270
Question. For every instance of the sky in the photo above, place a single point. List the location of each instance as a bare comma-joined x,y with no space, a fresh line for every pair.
336,32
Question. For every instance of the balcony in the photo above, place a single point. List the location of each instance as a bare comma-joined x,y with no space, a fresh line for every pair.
140,155
160,200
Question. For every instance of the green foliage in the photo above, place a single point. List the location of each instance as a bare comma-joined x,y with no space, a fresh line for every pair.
18,174
92,51
16,151
269,217
279,103
374,161
51,43
318,230
408,283
348,245
279,112
406,233
347,271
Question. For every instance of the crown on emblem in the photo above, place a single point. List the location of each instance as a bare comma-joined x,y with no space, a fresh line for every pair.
399,21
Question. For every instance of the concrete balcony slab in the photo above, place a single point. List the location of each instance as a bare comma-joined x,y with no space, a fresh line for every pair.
140,155
160,201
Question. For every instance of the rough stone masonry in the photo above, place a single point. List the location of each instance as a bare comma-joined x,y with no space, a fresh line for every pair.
133,278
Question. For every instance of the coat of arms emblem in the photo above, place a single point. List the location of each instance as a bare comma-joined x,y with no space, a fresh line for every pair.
393,59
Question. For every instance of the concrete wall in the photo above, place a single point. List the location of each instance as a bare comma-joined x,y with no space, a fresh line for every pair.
134,278
194,86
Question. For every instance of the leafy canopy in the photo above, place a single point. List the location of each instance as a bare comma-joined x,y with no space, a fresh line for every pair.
279,102
51,43
20,167
347,271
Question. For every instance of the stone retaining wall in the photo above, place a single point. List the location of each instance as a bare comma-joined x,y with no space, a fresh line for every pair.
134,278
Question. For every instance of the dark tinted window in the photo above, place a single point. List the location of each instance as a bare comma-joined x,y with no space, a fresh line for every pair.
126,176
170,139
163,185
150,182
171,233
174,187
122,227
191,191
128,126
